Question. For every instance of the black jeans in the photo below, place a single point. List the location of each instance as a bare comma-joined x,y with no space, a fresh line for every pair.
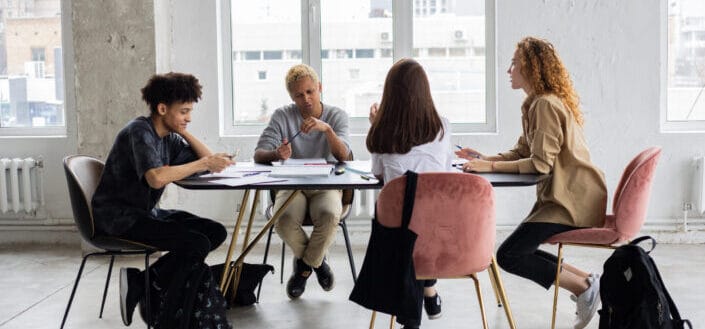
519,254
187,238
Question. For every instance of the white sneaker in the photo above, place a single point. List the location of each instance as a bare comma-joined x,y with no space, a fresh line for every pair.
588,302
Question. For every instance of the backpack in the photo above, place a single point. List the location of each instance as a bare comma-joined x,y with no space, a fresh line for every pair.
633,294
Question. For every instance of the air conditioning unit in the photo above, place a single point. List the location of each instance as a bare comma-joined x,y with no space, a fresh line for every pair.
34,69
459,35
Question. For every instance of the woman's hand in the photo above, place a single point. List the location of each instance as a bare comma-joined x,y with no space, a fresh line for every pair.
469,154
373,112
478,165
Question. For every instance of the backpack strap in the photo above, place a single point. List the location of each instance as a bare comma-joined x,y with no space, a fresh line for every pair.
409,198
643,238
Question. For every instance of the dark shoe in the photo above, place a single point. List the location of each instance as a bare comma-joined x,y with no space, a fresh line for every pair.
432,306
325,276
409,327
297,282
130,292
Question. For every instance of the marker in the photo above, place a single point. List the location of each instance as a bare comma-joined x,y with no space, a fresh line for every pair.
474,155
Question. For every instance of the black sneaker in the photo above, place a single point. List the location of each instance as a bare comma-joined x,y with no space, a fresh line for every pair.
325,276
432,305
297,282
130,293
409,327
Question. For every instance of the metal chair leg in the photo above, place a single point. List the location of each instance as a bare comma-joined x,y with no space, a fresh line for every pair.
147,289
73,292
479,299
349,248
281,273
107,282
264,261
557,285
494,269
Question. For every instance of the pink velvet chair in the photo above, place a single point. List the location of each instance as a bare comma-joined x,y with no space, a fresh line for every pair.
454,218
631,200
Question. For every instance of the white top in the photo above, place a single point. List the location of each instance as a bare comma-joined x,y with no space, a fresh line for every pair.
433,156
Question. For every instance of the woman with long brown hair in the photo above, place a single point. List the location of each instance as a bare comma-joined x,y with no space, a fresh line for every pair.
552,142
408,134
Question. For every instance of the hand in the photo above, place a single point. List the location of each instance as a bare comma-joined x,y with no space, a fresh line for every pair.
469,154
217,162
227,156
477,165
373,112
312,123
284,150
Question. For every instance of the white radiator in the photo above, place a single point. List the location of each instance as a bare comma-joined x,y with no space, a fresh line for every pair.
363,203
20,188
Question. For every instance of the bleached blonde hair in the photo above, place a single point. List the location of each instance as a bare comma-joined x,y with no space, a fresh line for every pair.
298,72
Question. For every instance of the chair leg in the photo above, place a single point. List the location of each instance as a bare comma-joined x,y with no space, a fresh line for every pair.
73,292
266,253
494,269
557,285
479,300
494,289
107,282
147,290
391,322
372,319
281,273
349,248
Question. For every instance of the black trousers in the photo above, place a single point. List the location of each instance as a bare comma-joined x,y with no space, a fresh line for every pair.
519,254
187,238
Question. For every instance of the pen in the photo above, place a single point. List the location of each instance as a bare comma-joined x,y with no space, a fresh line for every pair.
292,138
367,177
474,155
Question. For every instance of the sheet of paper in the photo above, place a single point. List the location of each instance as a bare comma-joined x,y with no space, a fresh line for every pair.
300,162
301,171
257,179
359,166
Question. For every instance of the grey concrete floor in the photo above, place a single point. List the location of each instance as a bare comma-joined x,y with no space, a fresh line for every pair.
36,282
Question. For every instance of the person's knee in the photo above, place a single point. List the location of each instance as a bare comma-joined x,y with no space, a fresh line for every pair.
218,236
506,258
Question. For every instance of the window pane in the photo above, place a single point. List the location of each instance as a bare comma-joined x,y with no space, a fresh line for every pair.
267,36
355,32
686,60
449,41
31,65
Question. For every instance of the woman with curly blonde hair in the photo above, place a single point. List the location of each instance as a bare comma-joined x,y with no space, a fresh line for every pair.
574,196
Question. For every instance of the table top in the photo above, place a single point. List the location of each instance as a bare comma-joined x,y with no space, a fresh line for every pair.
350,179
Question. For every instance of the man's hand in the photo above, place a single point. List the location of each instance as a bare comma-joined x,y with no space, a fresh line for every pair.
284,150
373,112
311,124
217,162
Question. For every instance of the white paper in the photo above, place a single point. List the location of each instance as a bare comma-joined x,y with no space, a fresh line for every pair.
300,162
256,179
301,171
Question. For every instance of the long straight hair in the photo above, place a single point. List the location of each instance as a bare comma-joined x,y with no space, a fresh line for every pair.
406,117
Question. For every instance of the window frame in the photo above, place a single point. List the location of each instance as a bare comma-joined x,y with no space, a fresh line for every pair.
402,46
666,126
67,68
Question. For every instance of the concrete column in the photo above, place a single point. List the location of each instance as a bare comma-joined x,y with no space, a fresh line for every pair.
114,55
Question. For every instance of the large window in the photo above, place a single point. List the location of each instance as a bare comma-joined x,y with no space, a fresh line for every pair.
31,68
352,44
685,106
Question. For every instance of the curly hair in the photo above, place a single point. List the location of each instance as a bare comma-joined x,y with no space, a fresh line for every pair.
545,73
170,88
298,72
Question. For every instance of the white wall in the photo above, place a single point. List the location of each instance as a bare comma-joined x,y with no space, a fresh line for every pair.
611,48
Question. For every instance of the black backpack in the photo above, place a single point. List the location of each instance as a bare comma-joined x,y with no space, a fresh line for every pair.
633,294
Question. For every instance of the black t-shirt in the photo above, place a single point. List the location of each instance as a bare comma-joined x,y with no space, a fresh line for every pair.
123,195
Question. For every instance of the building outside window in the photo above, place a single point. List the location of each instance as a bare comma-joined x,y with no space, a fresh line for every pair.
354,46
31,68
685,48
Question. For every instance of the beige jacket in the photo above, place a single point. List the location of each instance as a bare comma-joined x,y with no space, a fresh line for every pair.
553,143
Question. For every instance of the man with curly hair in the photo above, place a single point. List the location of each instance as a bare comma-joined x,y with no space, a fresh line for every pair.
149,153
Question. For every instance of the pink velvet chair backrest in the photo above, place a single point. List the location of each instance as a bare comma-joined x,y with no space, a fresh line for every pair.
631,197
454,218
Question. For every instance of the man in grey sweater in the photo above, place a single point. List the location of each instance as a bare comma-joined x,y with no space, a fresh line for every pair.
306,129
